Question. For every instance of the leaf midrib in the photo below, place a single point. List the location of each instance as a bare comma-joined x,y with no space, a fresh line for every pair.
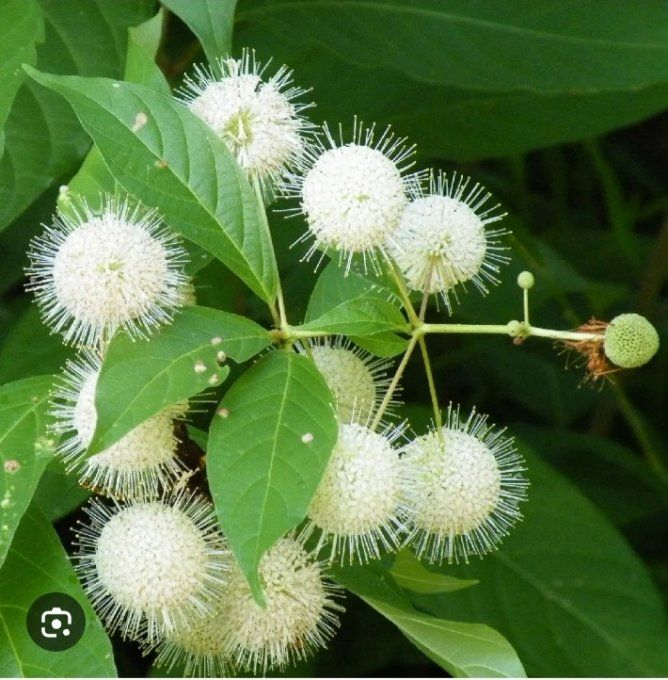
453,18
277,427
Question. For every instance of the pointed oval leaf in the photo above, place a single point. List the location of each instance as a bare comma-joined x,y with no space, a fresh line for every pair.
268,448
465,650
140,378
164,155
412,575
25,449
211,21
21,26
36,565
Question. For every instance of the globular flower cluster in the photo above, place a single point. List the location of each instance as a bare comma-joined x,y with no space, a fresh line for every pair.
356,508
462,487
442,239
356,378
139,465
94,271
353,194
151,567
260,119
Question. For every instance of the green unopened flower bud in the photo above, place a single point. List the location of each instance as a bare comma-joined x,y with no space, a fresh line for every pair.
525,280
630,341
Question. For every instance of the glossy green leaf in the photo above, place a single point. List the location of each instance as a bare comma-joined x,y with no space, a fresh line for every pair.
143,43
465,650
21,354
350,305
25,449
566,590
472,79
365,314
462,649
268,447
140,378
59,493
211,21
43,139
412,575
36,565
583,46
385,344
169,159
21,26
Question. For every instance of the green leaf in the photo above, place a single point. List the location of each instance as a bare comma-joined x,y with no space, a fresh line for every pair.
465,650
139,379
169,159
43,139
58,493
25,449
21,26
582,46
21,352
386,344
505,77
211,21
412,575
262,469
566,590
365,314
350,305
36,565
143,43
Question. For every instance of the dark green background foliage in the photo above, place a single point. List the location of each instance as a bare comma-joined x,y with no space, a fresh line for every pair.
557,107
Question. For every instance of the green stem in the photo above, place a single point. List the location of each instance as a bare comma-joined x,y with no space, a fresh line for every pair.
405,296
280,317
438,421
395,381
503,329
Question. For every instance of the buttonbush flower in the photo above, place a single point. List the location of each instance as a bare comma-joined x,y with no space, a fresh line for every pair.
94,271
139,465
356,507
152,568
356,378
258,117
442,238
353,193
300,615
461,489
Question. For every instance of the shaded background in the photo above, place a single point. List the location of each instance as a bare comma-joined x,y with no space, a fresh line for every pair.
557,107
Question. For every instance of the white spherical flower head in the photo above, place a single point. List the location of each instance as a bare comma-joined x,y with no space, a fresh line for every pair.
151,568
199,649
357,379
353,194
139,465
356,507
461,488
442,239
300,615
257,117
95,271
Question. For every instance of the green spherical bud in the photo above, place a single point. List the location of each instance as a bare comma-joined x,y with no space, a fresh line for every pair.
525,280
630,341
